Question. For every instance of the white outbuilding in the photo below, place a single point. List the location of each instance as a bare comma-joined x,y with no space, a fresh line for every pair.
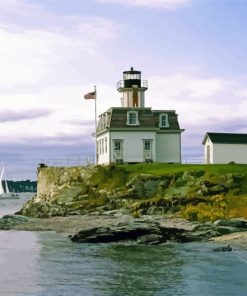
225,148
134,133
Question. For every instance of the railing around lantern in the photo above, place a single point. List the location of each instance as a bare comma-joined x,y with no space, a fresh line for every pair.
120,84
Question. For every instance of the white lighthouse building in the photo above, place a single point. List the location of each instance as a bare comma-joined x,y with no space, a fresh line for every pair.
134,133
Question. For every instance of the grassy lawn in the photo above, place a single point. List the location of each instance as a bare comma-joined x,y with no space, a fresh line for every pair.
162,168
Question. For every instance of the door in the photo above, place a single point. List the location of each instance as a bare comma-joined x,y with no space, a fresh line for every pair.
147,150
118,150
208,154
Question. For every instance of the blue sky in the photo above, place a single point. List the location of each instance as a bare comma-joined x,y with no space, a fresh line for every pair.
193,53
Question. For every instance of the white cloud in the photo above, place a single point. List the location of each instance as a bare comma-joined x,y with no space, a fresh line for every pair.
49,68
12,4
165,4
203,103
28,56
65,105
242,93
185,85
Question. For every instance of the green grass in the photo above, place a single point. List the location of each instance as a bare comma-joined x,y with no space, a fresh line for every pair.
162,168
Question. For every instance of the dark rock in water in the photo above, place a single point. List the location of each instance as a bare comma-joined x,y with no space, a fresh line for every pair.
201,232
132,231
140,231
151,233
9,221
234,222
226,248
150,239
227,229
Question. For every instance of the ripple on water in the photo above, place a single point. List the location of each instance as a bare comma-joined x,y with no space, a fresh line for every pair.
49,264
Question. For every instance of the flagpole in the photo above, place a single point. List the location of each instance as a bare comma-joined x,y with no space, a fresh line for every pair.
95,122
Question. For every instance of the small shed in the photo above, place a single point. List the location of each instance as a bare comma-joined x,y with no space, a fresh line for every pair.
225,148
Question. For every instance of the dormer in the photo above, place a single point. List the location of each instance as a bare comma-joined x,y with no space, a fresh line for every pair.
164,120
132,118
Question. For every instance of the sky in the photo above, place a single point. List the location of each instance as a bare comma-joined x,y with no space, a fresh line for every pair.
192,52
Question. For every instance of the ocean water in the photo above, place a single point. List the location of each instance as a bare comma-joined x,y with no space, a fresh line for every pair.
49,264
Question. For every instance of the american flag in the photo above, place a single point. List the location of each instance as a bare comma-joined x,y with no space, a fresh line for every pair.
90,96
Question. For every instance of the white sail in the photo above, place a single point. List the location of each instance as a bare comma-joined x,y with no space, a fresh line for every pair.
4,191
1,185
6,183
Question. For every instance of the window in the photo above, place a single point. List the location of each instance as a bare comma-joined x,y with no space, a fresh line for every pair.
103,121
99,147
105,145
164,120
102,143
132,118
147,145
117,146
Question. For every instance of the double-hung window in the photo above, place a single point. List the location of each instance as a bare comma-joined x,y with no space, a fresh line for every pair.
105,145
132,118
164,120
117,145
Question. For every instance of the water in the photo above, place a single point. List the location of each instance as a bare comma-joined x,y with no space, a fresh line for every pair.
48,264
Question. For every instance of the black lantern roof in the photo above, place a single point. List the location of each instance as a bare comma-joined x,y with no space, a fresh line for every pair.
132,71
131,78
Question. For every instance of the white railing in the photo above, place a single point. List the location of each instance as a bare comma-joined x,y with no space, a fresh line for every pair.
121,83
118,155
197,160
68,161
147,154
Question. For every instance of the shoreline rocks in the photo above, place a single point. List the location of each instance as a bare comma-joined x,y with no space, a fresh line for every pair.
148,230
226,248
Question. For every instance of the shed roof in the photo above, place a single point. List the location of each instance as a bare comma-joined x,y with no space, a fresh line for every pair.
226,138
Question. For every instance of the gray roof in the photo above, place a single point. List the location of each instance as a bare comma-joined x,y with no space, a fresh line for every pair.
226,138
116,118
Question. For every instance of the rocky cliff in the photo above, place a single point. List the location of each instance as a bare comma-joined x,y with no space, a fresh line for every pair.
195,194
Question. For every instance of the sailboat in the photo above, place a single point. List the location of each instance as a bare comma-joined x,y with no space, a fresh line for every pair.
4,191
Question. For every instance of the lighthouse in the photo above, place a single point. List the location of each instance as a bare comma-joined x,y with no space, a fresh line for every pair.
134,133
132,88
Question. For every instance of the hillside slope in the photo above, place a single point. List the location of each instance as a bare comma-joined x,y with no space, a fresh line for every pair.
195,192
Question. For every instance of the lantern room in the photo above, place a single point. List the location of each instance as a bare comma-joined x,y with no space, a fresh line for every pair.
132,88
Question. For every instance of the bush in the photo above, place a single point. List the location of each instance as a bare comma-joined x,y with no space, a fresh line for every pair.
136,214
216,208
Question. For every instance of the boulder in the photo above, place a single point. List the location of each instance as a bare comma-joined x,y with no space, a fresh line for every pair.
217,189
142,232
199,235
226,229
150,239
7,222
226,248
234,222
130,231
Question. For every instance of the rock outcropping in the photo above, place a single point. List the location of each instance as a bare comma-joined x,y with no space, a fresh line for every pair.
157,232
82,190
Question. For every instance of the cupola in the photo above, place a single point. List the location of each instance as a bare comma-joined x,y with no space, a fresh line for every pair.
133,89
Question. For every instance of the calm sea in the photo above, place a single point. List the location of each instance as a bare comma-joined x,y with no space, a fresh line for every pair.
48,264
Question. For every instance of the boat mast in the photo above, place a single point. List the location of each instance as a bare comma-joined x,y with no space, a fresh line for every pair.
6,184
1,185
